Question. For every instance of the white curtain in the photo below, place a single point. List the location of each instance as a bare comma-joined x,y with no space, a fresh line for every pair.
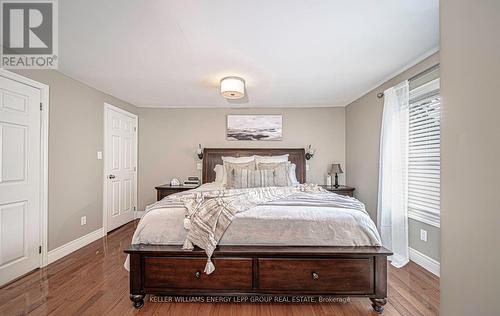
392,212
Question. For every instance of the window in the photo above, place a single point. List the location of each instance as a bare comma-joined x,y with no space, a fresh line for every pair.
424,170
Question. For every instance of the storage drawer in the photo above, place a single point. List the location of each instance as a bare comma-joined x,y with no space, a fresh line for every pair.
340,276
161,193
187,273
346,193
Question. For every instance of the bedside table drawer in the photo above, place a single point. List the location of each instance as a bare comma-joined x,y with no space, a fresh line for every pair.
166,190
347,193
341,189
160,194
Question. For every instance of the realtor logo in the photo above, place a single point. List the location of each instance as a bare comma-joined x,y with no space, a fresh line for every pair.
29,34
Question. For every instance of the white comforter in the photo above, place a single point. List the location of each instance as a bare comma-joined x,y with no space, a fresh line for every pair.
268,225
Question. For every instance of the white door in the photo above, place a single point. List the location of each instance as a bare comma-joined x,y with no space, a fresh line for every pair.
120,165
20,163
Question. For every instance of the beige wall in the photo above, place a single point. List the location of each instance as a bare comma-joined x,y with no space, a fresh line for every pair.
470,219
168,140
167,144
75,136
363,123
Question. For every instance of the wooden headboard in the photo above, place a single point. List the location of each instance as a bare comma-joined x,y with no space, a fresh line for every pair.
213,156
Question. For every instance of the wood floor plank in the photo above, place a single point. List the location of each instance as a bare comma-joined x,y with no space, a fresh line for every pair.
92,281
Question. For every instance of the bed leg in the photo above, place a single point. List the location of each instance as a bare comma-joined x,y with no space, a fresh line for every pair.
138,300
136,289
378,304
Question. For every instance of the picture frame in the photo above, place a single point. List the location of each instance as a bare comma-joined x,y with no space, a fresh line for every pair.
254,127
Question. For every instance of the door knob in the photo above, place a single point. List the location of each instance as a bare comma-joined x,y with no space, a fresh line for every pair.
111,176
315,276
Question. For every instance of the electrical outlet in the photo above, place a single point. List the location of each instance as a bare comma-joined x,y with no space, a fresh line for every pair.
199,166
423,235
83,220
307,167
99,155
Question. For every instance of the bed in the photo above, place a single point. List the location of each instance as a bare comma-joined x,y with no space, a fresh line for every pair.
305,262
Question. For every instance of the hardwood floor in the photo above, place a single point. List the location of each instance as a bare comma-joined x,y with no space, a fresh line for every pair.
92,281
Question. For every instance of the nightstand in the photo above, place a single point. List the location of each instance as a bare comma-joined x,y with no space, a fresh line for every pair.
167,189
341,189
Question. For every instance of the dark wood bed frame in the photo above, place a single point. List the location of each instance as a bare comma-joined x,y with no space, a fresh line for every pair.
259,270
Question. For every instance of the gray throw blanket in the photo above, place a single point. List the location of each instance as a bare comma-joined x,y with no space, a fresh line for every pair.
209,213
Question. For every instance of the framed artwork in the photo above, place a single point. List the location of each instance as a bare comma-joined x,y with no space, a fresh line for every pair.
254,127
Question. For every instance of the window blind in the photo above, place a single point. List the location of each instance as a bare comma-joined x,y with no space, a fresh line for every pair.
424,169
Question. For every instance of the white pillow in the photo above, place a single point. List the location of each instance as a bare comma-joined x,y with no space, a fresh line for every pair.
292,175
271,159
219,173
239,159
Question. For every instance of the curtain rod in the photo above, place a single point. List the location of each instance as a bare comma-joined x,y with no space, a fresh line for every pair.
380,95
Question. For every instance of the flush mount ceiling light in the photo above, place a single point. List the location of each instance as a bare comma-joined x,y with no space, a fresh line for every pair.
232,88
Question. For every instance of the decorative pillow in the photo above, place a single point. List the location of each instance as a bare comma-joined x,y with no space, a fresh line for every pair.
219,173
271,159
292,174
281,178
246,178
237,160
229,166
291,170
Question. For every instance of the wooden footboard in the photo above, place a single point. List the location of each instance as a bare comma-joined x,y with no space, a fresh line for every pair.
250,270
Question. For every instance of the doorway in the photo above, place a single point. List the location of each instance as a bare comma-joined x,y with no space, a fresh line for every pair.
120,167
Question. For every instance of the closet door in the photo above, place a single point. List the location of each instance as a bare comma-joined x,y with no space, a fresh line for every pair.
20,163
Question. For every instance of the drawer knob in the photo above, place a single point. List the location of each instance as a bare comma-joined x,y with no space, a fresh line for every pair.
197,274
315,276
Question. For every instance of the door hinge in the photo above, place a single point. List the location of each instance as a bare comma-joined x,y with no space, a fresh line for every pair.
135,129
135,169
39,249
135,208
41,106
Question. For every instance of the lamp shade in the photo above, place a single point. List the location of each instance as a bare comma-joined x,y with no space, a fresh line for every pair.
336,168
232,88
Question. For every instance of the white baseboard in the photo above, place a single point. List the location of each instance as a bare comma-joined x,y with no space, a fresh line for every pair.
138,214
74,245
424,261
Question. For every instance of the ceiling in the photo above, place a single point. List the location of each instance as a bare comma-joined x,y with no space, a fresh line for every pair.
290,53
